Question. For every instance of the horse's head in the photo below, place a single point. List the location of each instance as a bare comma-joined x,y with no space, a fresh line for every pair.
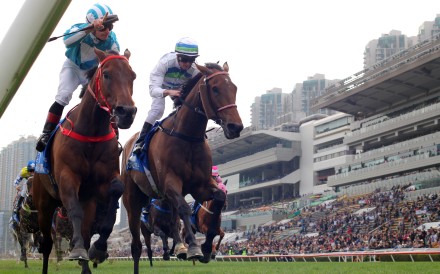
218,98
113,87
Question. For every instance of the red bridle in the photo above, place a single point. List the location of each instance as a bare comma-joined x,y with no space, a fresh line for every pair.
96,93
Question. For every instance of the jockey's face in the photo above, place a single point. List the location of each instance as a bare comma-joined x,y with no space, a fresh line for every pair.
185,62
102,34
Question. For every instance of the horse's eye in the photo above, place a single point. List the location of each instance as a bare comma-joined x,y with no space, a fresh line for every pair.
215,90
106,75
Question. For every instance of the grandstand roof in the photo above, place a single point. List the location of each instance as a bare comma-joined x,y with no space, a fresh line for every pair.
223,148
406,76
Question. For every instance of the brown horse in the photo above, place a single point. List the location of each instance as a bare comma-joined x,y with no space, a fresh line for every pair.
84,161
202,219
26,232
160,223
61,229
180,159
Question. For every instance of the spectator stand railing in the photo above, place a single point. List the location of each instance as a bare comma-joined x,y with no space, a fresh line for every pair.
392,255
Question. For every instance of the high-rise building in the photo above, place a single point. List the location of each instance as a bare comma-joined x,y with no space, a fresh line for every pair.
312,88
270,109
429,29
380,49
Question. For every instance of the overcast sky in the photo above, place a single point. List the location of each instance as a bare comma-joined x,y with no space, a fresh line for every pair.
267,44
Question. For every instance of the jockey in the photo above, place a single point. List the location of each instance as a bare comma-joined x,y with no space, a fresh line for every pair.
218,179
173,70
80,58
25,173
216,176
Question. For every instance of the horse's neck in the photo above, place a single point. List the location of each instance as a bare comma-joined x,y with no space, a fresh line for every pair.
90,119
189,121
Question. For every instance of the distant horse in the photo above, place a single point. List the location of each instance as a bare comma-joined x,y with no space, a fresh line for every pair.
160,223
27,231
61,229
84,161
202,219
180,159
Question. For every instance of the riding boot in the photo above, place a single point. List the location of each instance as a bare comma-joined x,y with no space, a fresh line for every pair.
44,137
53,117
15,215
141,139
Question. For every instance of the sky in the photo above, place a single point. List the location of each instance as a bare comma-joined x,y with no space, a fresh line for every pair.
267,44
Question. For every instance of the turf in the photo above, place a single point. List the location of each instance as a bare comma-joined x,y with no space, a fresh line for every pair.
121,267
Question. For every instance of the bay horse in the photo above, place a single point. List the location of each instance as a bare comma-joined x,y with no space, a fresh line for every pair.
180,159
202,219
84,161
61,229
27,231
159,223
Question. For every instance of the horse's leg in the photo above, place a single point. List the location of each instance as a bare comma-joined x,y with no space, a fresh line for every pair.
165,247
219,198
172,248
217,246
98,252
86,231
75,212
23,255
21,237
147,237
184,211
57,240
45,204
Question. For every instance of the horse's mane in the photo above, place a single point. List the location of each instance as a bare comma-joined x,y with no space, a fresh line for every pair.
186,89
89,74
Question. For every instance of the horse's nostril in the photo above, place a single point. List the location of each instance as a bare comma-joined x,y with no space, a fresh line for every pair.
235,127
125,111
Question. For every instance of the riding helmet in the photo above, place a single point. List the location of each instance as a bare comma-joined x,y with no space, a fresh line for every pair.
187,46
97,11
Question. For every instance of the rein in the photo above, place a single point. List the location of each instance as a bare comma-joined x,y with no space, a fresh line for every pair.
206,209
96,94
200,111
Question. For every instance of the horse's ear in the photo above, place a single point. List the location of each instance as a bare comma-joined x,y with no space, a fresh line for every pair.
226,67
225,182
127,54
100,54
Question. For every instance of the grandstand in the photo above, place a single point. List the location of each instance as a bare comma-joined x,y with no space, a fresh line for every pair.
372,171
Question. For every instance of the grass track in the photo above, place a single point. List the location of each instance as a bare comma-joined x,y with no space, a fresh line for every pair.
122,267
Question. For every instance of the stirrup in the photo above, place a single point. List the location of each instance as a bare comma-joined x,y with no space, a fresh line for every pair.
137,149
42,142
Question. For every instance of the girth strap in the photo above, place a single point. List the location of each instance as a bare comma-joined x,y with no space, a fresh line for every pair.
181,136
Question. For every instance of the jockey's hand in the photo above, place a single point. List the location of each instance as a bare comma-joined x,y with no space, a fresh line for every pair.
172,92
97,24
18,188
